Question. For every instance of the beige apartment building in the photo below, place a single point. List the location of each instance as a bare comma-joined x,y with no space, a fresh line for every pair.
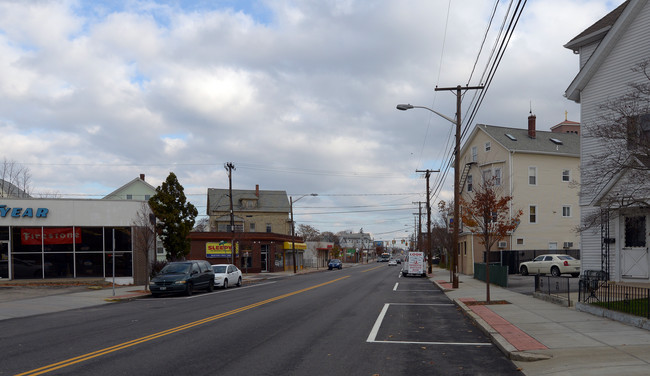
254,210
539,169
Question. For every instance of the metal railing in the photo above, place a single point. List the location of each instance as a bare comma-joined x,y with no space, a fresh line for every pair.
554,286
632,300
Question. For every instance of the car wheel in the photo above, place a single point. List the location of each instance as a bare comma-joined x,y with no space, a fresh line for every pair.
239,282
210,286
188,289
555,271
155,295
575,275
225,284
524,270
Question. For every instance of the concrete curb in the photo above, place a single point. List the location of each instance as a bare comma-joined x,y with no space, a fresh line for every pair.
500,342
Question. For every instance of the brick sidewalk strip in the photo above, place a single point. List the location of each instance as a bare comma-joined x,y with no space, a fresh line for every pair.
515,336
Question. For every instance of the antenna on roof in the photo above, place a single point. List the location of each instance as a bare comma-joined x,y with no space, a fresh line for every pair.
566,114
531,107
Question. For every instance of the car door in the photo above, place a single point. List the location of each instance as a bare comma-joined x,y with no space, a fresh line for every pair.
545,266
535,265
232,277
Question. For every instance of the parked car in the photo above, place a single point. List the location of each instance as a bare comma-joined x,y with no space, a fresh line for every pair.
225,274
551,264
183,277
335,264
392,262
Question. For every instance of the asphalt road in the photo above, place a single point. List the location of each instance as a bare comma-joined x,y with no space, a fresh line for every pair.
366,320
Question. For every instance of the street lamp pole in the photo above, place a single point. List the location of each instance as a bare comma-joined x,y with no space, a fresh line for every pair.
457,122
293,228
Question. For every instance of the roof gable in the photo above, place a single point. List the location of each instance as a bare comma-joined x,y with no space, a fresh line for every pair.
136,187
608,31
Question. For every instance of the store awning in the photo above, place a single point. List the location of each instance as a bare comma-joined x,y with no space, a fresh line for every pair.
289,245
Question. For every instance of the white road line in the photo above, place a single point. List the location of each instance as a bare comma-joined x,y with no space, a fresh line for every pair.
395,288
438,343
375,328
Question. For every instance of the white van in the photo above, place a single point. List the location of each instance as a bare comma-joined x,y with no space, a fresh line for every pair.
414,265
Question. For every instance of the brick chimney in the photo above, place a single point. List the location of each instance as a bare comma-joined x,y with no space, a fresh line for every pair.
142,177
531,126
257,190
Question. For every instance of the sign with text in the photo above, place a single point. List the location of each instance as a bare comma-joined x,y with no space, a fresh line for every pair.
58,235
216,250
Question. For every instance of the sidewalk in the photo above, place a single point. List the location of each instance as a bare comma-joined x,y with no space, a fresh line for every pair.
543,338
23,300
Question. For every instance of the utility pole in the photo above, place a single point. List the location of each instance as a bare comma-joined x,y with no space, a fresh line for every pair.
429,253
458,89
419,224
229,167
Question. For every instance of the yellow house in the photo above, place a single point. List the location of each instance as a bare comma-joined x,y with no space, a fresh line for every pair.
539,169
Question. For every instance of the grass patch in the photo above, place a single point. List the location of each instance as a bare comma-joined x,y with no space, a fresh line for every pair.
636,307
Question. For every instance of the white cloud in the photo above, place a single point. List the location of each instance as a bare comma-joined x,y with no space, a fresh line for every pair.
299,95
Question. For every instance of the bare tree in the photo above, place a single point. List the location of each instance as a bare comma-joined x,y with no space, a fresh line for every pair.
15,179
440,233
308,233
624,132
144,237
202,225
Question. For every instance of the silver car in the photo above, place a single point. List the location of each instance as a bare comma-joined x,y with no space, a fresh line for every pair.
226,274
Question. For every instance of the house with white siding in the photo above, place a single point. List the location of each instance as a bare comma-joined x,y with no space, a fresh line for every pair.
615,214
540,171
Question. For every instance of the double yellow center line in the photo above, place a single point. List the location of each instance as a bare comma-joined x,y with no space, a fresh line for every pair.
122,346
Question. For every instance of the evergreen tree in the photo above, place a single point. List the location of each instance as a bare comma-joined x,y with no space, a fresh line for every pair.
176,217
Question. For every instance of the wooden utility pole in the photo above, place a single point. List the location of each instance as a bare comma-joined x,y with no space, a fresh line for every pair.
229,167
458,89
429,253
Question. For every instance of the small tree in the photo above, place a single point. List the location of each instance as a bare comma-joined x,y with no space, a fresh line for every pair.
488,215
176,217
144,236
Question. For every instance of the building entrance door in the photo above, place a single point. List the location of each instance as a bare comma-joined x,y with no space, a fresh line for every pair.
4,259
264,256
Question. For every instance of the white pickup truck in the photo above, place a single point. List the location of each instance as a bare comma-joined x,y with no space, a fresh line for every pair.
414,265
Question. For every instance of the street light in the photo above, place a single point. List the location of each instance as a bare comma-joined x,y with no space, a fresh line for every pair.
293,228
454,261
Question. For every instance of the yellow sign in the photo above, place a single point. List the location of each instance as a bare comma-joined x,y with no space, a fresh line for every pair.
288,245
221,249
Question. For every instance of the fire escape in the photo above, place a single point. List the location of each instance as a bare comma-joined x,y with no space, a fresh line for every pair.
464,174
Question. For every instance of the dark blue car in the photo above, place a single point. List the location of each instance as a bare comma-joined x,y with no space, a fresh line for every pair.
335,264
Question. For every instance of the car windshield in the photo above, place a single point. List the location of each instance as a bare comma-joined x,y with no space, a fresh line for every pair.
565,258
335,261
175,269
219,268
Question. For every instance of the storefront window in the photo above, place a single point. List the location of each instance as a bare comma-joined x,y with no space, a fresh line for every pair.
27,239
58,265
90,264
4,233
27,266
123,264
92,240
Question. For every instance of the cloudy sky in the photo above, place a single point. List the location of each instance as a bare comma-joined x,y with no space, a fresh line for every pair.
299,95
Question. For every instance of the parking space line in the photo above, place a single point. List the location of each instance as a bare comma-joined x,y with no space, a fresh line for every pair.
395,288
372,337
